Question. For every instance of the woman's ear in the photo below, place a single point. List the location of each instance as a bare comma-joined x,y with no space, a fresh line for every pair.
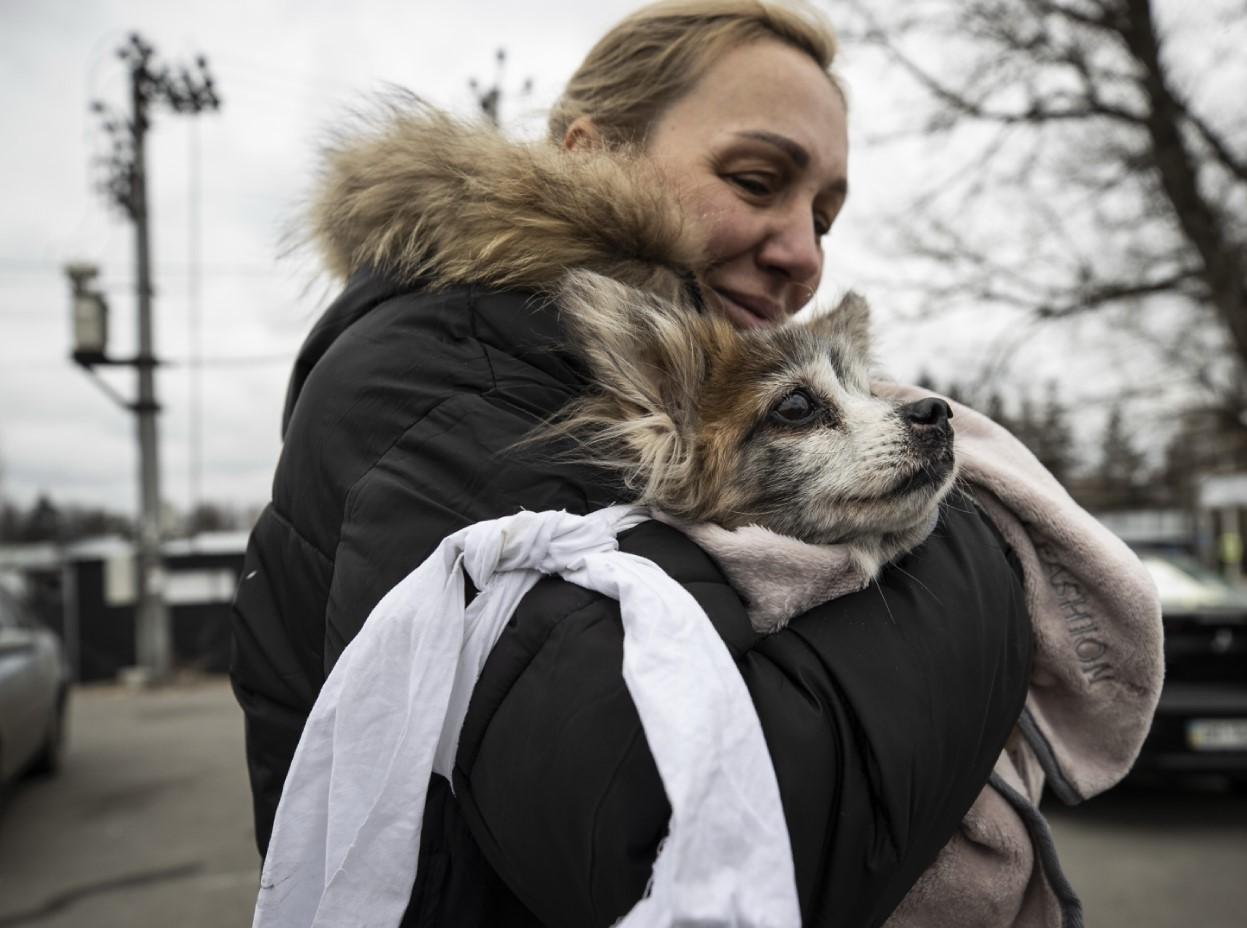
582,135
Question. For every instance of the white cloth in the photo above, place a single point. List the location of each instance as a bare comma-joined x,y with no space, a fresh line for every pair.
346,837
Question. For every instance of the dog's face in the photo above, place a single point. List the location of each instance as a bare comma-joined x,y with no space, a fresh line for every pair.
775,427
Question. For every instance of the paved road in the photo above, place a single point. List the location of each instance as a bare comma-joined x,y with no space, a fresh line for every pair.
1157,857
149,825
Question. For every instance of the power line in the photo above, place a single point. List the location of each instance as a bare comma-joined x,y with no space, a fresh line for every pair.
218,361
258,360
169,269
294,81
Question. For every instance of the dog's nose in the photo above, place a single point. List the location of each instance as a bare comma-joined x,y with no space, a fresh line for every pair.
929,413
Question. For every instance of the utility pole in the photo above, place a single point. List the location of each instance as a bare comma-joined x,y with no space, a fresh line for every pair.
126,187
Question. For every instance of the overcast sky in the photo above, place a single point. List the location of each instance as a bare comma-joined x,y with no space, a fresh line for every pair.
284,69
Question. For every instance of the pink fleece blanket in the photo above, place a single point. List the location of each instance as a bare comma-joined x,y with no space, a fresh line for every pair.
1096,680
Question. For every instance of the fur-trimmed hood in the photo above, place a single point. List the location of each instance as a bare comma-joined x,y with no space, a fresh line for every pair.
420,196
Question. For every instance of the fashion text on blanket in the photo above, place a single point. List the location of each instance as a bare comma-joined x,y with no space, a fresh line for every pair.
1091,649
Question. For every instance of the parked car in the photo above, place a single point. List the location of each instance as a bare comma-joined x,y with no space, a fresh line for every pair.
33,689
1201,723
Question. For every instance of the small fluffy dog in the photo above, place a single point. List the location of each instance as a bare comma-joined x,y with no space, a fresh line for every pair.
770,427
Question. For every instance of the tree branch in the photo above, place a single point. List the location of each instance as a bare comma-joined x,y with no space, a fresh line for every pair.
1229,160
1039,111
1101,22
1082,299
1135,197
1223,261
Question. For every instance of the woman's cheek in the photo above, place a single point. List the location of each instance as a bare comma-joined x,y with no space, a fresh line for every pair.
728,234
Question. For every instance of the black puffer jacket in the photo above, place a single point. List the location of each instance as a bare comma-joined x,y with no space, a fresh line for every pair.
884,711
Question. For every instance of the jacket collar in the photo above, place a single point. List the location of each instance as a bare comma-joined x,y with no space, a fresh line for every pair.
424,198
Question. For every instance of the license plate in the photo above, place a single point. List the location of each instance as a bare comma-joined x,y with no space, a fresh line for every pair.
1217,734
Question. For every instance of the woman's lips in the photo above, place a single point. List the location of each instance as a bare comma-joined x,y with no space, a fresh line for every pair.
748,312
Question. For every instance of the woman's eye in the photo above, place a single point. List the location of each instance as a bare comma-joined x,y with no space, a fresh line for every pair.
794,409
758,185
821,226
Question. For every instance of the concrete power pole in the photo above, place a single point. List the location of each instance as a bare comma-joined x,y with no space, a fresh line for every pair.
127,187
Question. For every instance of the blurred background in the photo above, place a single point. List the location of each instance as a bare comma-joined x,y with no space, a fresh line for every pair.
1048,214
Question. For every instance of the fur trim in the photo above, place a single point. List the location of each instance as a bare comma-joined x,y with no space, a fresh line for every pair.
425,197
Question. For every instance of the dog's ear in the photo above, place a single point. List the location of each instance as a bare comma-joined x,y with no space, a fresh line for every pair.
847,327
647,363
640,348
848,324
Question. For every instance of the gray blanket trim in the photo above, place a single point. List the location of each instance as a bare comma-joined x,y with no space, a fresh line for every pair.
1045,851
1047,759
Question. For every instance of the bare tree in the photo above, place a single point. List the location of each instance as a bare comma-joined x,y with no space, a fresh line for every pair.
1107,176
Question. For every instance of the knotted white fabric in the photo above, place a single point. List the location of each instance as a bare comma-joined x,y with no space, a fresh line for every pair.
346,838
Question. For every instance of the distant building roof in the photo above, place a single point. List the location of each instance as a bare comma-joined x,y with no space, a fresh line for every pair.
30,556
207,543
1150,526
48,555
99,548
1223,490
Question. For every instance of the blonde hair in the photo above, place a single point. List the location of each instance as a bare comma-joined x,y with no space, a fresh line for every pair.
656,55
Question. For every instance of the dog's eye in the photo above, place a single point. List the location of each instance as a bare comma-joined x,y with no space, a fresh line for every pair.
794,409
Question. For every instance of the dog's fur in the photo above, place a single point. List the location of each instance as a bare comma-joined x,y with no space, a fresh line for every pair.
687,407
686,402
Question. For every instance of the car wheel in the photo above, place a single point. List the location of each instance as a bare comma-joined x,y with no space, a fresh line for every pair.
48,761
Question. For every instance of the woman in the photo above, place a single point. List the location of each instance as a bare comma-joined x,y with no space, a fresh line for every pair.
701,146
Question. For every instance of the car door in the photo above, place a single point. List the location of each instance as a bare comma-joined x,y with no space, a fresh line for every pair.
23,702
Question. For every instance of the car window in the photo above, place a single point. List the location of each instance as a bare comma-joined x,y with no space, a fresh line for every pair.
13,612
1186,581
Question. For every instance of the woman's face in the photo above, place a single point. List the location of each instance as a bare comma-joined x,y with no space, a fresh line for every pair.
758,153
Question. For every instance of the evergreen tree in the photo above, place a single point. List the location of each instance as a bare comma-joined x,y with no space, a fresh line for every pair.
1054,439
927,381
1024,426
10,522
1122,465
211,517
89,523
44,522
995,410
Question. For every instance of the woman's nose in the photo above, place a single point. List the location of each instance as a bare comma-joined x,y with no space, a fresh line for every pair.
792,247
